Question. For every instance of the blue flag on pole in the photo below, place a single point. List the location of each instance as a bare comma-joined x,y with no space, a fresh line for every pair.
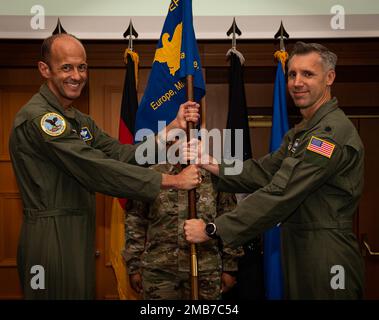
272,245
176,57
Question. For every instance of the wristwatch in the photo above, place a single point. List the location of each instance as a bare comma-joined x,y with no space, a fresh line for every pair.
210,230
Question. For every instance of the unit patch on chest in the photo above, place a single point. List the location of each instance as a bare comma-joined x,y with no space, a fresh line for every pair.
53,124
85,134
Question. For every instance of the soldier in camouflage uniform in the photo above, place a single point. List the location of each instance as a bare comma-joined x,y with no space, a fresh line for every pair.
157,251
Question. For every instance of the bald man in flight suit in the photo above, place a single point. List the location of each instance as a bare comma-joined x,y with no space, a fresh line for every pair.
61,158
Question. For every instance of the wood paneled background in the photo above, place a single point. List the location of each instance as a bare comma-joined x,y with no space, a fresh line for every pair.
356,86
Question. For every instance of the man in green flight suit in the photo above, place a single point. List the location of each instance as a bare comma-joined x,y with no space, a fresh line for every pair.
61,158
158,256
311,186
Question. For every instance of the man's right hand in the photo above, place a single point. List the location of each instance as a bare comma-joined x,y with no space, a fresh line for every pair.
187,179
194,230
136,282
194,151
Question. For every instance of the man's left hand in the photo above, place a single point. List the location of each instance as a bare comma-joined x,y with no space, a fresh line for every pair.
194,231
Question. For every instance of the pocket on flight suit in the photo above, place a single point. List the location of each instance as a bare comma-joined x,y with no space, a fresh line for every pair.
281,178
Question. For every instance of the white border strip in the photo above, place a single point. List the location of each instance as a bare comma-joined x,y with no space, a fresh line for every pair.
252,27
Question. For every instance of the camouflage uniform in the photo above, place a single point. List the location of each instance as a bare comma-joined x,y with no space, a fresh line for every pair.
155,245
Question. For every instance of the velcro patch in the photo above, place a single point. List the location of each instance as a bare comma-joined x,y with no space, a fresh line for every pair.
85,134
320,146
53,124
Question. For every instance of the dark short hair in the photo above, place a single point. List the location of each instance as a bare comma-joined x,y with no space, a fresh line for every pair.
48,42
329,59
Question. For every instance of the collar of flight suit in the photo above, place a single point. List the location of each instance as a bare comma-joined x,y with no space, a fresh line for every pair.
53,101
326,108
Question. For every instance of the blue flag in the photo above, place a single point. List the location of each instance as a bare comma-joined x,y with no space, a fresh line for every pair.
176,57
272,245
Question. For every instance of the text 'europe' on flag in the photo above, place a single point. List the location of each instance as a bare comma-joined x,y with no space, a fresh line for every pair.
176,57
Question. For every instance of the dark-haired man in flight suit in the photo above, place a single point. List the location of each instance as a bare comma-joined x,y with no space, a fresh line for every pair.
311,185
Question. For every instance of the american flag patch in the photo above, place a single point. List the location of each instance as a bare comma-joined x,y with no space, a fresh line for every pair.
320,146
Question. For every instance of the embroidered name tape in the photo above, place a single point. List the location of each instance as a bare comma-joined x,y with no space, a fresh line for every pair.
323,147
53,124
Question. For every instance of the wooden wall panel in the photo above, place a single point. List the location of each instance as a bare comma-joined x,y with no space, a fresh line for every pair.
260,140
105,93
10,288
105,98
351,52
368,211
259,95
8,182
217,106
363,94
10,222
12,97
17,86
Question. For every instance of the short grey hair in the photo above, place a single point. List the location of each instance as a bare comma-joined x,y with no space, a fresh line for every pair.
329,58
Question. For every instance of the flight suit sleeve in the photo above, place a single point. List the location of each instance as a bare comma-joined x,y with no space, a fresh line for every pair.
227,202
277,200
93,168
255,173
135,235
112,147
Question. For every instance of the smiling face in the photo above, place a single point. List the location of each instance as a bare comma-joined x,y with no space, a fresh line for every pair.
66,71
309,81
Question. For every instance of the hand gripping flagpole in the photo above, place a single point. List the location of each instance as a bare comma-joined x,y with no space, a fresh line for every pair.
192,201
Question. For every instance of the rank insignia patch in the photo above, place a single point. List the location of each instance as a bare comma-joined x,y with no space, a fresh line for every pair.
320,146
85,134
53,124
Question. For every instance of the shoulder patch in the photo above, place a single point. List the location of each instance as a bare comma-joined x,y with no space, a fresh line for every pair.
53,124
85,134
320,146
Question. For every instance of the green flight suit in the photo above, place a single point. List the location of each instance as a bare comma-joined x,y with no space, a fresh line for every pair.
58,169
314,195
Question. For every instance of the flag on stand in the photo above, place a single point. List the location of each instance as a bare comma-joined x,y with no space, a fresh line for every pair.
237,114
176,57
128,111
250,267
272,244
